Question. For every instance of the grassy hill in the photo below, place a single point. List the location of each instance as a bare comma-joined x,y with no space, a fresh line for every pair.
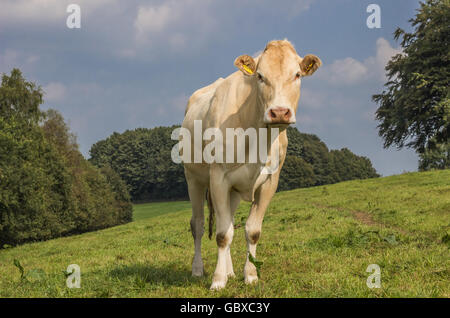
315,242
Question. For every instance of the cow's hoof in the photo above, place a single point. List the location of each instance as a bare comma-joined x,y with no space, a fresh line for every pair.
218,285
231,274
251,279
197,272
197,268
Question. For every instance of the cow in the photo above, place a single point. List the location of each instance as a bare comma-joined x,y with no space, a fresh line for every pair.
263,93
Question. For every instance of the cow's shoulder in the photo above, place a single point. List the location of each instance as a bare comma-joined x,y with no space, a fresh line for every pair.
200,94
228,97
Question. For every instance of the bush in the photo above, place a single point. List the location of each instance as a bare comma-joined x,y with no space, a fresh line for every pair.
34,186
47,188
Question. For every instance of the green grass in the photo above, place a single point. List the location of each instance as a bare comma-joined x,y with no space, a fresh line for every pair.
315,242
151,210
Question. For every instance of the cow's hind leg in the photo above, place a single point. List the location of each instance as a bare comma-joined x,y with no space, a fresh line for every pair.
235,199
197,196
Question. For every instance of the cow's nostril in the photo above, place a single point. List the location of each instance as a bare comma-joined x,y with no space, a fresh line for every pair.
287,114
272,114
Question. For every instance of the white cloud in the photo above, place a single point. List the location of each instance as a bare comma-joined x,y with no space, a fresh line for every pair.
44,11
54,92
10,59
154,19
350,71
189,24
347,71
174,23
378,62
152,27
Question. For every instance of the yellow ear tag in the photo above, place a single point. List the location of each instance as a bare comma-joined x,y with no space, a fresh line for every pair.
309,67
247,69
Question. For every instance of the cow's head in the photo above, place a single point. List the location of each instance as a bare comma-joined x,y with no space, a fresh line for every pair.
277,74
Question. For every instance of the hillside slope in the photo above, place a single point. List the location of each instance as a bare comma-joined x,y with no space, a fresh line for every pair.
316,242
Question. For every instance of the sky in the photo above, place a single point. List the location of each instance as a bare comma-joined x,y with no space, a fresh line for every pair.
135,63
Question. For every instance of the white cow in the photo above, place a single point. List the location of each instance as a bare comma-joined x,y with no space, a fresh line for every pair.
263,93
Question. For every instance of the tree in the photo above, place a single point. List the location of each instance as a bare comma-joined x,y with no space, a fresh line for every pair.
142,158
47,188
414,109
20,99
296,173
438,158
345,165
327,166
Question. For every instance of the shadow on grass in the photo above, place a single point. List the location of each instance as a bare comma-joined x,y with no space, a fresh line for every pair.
165,274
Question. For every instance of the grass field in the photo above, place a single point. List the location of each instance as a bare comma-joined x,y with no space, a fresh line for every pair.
315,242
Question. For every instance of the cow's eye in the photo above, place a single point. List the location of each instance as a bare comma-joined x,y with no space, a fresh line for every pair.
260,78
297,76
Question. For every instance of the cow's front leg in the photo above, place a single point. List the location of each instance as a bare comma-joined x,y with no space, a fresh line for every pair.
235,199
252,233
220,194
254,223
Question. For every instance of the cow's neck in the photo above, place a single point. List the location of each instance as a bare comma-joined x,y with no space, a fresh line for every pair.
251,114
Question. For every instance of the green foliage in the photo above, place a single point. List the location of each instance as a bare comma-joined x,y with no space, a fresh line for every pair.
142,158
437,158
20,267
296,173
34,183
255,262
121,194
414,109
47,188
34,273
20,99
309,162
345,165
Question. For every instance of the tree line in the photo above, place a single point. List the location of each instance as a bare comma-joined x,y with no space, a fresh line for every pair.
142,157
47,188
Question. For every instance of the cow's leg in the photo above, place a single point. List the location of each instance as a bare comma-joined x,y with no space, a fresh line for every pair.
235,199
254,223
197,196
220,194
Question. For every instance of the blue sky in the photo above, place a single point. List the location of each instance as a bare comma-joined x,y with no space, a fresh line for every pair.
135,63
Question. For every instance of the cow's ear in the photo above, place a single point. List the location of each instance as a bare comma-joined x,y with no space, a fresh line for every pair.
246,64
309,64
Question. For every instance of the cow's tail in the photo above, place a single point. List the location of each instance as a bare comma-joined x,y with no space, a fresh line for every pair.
211,213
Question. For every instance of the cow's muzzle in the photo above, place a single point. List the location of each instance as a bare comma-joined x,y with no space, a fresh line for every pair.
279,115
